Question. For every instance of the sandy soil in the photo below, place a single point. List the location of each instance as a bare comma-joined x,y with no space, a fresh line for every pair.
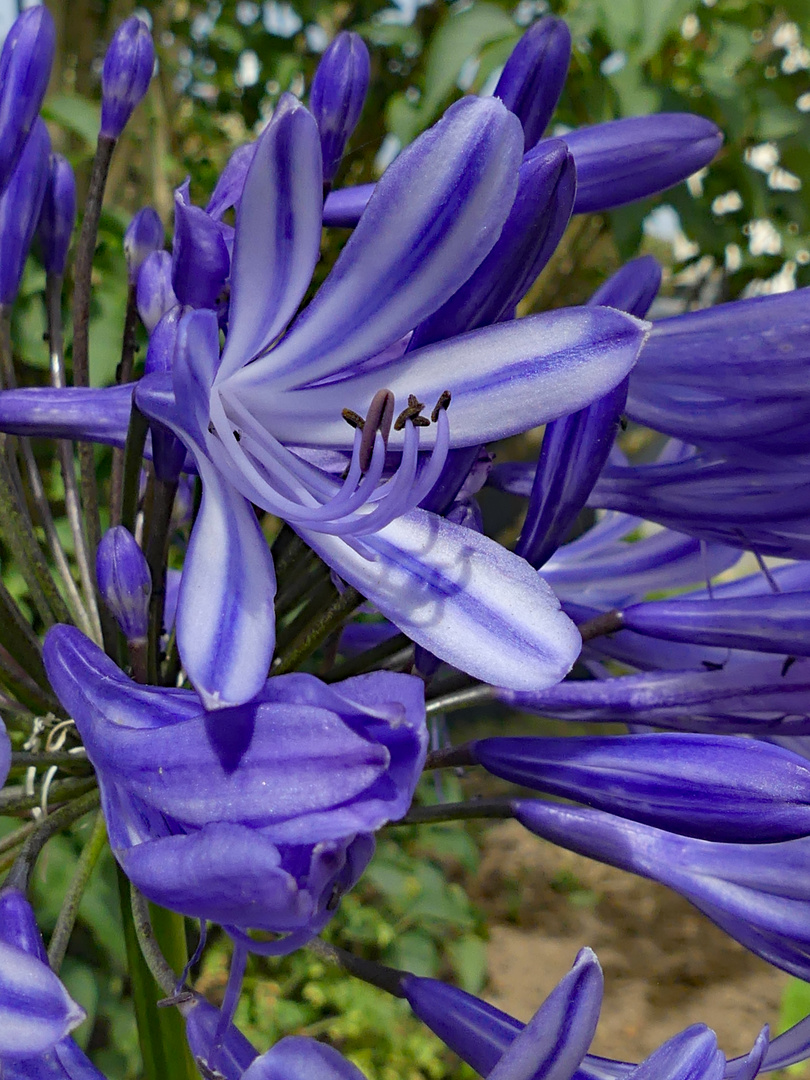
666,966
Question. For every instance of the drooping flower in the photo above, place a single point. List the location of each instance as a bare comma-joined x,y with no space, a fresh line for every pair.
260,817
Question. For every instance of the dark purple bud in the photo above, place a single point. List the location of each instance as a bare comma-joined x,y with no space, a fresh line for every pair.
143,236
125,77
58,215
124,581
536,222
625,160
534,75
20,207
714,787
200,260
576,447
344,207
155,295
25,67
337,96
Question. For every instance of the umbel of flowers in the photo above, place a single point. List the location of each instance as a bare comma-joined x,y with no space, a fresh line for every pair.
250,727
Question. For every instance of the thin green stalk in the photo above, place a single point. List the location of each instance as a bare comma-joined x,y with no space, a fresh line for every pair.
145,991
123,374
395,647
20,537
319,599
318,630
73,509
386,978
24,689
157,550
57,946
461,699
25,759
133,461
463,811
47,828
170,934
20,641
82,274
15,799
294,589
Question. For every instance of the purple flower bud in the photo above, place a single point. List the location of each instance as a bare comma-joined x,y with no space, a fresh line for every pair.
124,581
36,1012
236,1053
229,187
20,206
534,75
143,236
58,215
200,259
155,295
297,1057
25,66
337,95
125,77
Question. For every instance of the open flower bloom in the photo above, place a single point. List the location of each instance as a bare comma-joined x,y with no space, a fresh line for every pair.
260,817
434,217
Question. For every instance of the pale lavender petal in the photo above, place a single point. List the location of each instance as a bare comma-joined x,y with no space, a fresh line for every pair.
436,214
555,1040
225,615
278,233
503,379
461,596
300,1058
36,1010
690,1055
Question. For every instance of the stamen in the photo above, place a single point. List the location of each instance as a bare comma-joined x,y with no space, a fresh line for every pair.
412,413
353,419
442,403
379,417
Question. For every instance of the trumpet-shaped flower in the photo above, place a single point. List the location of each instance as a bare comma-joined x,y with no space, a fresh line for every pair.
261,821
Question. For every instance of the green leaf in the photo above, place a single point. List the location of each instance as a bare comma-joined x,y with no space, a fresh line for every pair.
468,956
75,114
414,951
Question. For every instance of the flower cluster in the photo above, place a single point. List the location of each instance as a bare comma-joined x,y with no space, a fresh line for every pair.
255,712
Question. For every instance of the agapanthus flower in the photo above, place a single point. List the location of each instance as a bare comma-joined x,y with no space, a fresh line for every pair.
259,817
25,67
36,1011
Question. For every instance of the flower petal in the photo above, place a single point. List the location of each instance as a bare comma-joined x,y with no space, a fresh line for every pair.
68,413
434,216
278,233
225,613
298,1058
503,379
690,1055
36,1010
461,596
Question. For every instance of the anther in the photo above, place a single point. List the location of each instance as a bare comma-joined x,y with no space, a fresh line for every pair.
412,413
353,419
379,417
442,403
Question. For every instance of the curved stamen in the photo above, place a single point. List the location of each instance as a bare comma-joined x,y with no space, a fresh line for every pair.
379,417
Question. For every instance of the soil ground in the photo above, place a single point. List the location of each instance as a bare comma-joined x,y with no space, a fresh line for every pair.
666,966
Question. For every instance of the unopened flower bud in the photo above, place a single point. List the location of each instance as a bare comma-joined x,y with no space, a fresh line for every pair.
337,95
200,259
25,67
20,207
155,294
143,236
126,74
58,214
533,77
124,581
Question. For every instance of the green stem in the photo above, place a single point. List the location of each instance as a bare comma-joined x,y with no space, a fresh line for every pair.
463,811
14,799
318,630
386,978
20,641
20,873
397,648
24,758
461,699
57,946
123,375
157,550
145,991
133,461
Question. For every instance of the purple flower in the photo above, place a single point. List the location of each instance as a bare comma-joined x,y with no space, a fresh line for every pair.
258,816
200,258
25,67
534,75
758,893
20,206
143,236
36,1012
124,581
155,293
337,95
58,215
125,77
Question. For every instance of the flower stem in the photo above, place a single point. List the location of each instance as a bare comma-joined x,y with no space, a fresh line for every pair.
20,874
123,374
73,509
386,978
309,638
395,650
608,622
461,699
463,811
57,946
157,550
138,938
133,460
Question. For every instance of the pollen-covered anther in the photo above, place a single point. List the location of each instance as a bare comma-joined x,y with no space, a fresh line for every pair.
441,404
413,412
